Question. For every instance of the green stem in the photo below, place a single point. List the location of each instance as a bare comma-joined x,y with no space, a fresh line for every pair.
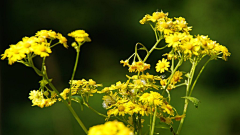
153,122
74,71
69,106
154,46
198,76
171,76
194,64
64,101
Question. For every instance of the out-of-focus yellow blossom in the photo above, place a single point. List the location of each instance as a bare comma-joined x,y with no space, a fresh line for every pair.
110,128
47,34
80,36
166,120
167,108
62,40
38,99
152,98
176,77
162,65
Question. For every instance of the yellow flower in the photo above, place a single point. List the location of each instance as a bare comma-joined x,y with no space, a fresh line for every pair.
176,77
174,40
13,54
152,98
110,128
162,65
167,108
80,36
42,49
158,15
145,19
47,34
62,40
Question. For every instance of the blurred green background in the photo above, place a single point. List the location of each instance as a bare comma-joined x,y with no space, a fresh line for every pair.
114,28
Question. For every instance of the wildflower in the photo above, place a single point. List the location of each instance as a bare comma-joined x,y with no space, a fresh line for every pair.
174,40
42,49
46,34
13,54
167,108
152,98
62,40
145,19
158,15
162,65
110,128
80,36
176,77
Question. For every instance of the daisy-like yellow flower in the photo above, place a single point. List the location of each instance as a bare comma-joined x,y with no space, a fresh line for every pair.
162,65
110,128
42,49
174,40
152,98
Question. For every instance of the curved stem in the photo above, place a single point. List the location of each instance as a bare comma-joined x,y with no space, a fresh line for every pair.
154,47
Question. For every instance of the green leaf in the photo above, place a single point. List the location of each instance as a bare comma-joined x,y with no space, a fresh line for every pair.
78,99
194,100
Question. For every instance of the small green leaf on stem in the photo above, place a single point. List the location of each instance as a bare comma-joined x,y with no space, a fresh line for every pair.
78,99
194,100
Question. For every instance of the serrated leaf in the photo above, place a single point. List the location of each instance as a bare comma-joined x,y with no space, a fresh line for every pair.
194,100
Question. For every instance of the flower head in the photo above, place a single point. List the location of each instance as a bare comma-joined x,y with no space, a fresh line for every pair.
162,65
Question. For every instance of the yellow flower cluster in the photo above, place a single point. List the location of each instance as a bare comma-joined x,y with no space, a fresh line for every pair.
32,46
176,34
131,97
80,87
80,36
42,99
110,128
136,66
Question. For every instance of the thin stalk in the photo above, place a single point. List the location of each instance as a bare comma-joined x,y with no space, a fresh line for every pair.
73,74
171,76
154,47
69,107
153,122
64,101
187,93
198,76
